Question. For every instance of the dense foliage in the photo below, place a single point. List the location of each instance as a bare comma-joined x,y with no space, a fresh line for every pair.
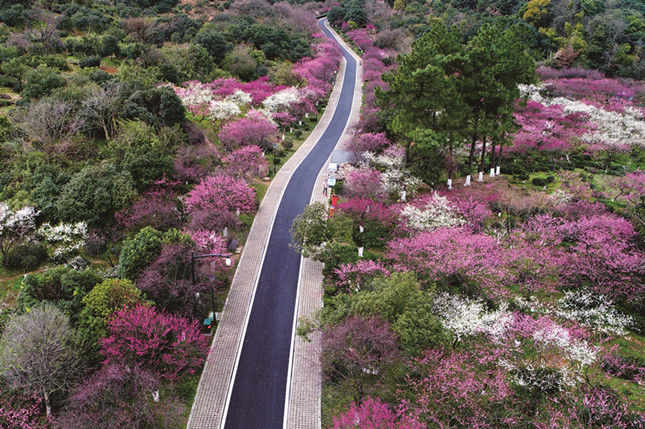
134,135
491,301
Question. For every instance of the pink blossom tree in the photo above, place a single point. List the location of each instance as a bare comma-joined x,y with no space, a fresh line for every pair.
373,414
170,346
158,208
453,255
253,129
247,161
364,182
369,142
350,276
359,350
220,196
117,396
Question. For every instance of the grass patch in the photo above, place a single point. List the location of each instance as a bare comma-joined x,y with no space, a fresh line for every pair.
334,400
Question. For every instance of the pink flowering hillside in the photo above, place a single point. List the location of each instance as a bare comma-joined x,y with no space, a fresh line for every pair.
482,277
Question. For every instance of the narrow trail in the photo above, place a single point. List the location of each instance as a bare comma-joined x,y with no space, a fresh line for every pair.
254,389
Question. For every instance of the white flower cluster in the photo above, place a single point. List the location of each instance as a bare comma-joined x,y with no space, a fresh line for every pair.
399,181
561,197
437,213
388,160
240,97
223,109
538,377
575,350
67,238
532,304
12,222
197,95
281,100
465,317
593,311
395,178
614,128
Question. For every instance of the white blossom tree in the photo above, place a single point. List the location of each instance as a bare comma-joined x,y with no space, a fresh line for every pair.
66,237
436,213
15,226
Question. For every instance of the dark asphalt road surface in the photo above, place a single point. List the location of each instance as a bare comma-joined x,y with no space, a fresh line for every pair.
258,396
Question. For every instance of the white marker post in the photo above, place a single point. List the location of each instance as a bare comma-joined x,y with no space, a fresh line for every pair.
467,182
481,176
449,183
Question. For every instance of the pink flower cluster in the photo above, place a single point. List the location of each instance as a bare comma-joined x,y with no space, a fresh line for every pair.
167,345
548,128
374,414
350,276
319,71
373,68
253,129
221,193
247,161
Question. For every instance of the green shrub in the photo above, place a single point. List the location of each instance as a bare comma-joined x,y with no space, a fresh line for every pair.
539,181
62,286
41,82
28,256
94,194
99,304
92,61
139,251
287,144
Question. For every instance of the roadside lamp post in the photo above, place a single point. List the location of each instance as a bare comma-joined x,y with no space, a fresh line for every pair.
192,278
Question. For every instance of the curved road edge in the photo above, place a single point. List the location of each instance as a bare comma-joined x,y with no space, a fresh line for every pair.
216,379
304,382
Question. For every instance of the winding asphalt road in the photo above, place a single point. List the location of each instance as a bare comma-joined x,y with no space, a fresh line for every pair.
258,396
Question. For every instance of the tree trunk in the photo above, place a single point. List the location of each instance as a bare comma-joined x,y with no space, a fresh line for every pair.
481,162
493,153
472,153
48,406
499,157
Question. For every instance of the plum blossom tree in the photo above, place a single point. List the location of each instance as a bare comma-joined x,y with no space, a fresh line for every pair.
220,110
364,182
117,396
194,162
66,238
220,195
357,350
281,100
157,207
351,276
15,225
247,161
369,142
446,254
166,345
253,129
373,414
167,280
20,411
431,213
